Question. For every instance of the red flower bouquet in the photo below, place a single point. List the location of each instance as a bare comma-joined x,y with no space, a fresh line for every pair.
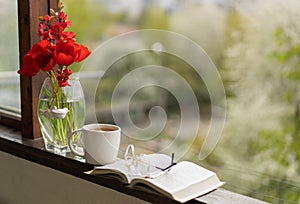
56,51
61,106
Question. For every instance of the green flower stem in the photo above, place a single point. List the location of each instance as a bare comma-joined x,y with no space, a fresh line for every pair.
55,88
59,99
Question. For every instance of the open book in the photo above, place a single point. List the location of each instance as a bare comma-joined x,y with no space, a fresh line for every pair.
182,182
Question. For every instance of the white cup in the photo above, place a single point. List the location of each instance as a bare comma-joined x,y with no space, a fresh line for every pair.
100,143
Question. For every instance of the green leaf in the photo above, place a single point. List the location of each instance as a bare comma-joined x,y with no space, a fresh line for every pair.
48,93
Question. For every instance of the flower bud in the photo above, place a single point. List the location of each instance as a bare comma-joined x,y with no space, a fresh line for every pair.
53,13
59,5
41,18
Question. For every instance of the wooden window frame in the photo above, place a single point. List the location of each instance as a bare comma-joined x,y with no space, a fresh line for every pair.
28,20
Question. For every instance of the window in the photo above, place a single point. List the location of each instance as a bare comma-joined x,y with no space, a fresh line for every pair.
10,93
9,55
253,51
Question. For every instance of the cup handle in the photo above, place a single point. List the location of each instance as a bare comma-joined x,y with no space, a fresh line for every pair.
73,150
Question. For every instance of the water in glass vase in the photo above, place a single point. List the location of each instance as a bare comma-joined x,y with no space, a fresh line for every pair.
56,129
61,110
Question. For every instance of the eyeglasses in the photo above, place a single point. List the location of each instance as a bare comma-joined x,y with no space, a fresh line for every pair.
141,165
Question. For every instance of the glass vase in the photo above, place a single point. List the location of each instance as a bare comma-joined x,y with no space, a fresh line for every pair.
61,110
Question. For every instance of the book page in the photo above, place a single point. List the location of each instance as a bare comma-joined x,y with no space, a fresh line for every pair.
142,166
181,176
184,181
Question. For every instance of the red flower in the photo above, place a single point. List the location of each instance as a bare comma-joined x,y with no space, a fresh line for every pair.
43,32
55,30
69,52
64,19
44,60
28,68
48,18
65,53
67,36
63,77
83,52
40,57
